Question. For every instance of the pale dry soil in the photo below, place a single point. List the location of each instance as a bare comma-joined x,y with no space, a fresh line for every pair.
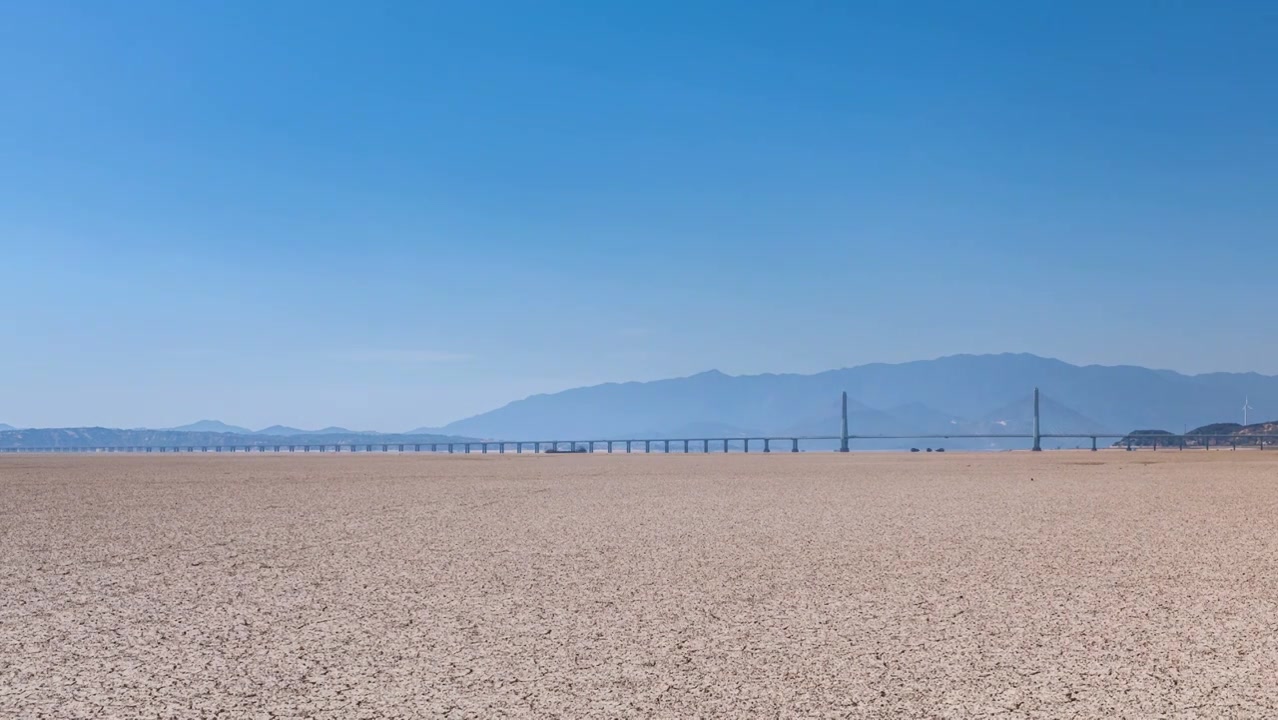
1062,584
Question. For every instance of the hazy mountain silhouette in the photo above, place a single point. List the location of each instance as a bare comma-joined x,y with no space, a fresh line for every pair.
4,427
696,430
217,426
292,431
960,391
212,426
281,430
1018,417
925,419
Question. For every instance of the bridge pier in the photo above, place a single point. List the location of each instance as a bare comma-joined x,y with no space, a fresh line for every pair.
484,448
667,450
725,444
627,447
1093,444
794,445
647,446
705,446
609,447
767,446
685,447
745,445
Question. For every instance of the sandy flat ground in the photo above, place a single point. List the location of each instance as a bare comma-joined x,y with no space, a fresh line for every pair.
1066,584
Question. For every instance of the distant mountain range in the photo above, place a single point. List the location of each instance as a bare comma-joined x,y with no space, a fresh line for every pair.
4,427
955,395
960,394
217,426
424,430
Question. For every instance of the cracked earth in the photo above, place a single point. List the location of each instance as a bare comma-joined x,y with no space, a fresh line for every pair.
1064,584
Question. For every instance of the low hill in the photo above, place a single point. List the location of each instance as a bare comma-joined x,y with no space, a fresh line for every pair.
1147,438
1221,434
1216,429
1248,434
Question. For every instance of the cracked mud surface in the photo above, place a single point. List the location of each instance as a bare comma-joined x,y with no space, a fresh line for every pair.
879,586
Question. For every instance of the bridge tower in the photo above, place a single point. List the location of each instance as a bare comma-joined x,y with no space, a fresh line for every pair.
843,438
1038,435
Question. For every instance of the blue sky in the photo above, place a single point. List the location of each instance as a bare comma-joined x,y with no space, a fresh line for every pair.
386,215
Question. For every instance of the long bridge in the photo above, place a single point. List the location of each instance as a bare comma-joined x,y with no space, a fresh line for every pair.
761,443
660,445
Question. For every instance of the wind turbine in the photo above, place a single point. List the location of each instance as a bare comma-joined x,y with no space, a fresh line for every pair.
1246,406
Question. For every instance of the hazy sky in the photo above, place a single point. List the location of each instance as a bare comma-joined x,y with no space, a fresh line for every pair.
385,215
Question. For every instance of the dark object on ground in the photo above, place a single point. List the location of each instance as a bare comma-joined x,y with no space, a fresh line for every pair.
929,449
557,451
914,449
940,449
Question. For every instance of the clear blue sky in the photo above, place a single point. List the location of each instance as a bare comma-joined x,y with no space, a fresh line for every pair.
386,215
